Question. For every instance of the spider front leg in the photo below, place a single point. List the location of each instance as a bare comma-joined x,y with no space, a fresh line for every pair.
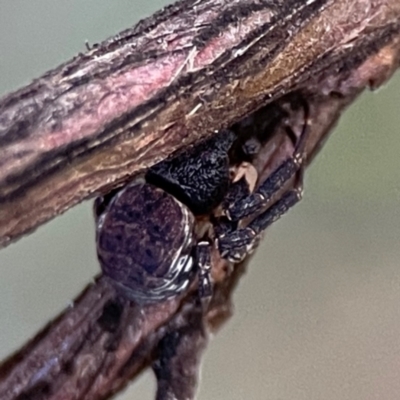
250,205
203,261
234,246
256,201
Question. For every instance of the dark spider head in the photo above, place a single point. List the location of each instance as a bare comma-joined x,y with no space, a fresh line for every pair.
199,177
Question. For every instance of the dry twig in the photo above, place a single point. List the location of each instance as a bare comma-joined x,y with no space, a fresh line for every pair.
175,78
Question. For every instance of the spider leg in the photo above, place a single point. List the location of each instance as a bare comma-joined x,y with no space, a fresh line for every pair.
203,260
235,245
251,204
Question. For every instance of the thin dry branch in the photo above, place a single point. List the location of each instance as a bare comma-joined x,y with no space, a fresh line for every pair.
194,67
132,100
96,347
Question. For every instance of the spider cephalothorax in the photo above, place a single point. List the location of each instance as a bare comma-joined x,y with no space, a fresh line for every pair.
148,239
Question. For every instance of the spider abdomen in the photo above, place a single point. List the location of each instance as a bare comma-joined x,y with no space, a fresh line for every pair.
144,242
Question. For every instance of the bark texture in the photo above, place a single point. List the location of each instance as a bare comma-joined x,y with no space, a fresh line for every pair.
176,77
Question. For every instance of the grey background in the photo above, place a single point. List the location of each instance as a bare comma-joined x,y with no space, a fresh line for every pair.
318,313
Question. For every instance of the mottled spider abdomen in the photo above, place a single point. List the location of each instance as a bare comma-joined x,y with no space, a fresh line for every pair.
144,242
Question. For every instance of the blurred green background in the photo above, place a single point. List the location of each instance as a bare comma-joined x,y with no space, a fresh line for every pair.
318,313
